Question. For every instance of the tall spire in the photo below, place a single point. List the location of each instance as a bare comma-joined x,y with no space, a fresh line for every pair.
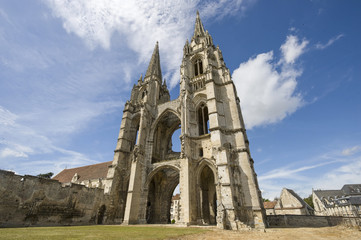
154,64
198,29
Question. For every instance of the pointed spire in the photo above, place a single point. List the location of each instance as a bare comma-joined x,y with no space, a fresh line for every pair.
154,64
198,29
140,79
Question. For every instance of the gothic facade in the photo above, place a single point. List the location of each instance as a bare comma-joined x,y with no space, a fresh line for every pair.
214,169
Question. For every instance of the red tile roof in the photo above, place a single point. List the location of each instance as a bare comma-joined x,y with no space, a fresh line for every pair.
176,197
269,205
94,171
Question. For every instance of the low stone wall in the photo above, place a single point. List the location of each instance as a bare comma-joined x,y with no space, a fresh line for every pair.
29,201
310,221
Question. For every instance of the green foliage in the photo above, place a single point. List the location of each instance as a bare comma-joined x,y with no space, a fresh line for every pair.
266,200
173,221
309,201
45,175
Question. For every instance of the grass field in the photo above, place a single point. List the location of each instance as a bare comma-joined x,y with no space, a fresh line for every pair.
97,232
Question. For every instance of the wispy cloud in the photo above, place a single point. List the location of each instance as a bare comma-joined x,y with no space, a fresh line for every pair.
4,15
330,170
140,24
19,142
64,85
7,118
329,43
286,172
267,88
7,152
351,151
292,49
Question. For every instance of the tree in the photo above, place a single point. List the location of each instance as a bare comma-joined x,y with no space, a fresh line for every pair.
45,175
266,200
309,201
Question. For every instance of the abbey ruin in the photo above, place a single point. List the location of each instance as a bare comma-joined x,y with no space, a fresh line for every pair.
214,169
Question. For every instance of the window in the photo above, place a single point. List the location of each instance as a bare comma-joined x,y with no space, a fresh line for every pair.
203,121
198,67
201,152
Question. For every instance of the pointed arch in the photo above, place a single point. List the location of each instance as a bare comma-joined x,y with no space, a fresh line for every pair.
134,130
202,119
207,193
161,183
161,135
198,66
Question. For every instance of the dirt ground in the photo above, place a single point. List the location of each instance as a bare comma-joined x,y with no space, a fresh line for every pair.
337,232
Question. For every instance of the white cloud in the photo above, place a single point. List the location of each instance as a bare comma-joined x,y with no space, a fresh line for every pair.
347,173
287,173
140,24
267,88
292,48
7,152
23,138
4,15
6,117
329,43
327,171
351,151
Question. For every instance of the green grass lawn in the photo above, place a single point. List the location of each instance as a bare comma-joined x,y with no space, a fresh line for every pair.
97,232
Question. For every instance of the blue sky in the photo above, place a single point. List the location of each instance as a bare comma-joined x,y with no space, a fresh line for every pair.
67,68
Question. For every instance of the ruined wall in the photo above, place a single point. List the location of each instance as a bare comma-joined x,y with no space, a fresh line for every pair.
310,221
28,201
290,211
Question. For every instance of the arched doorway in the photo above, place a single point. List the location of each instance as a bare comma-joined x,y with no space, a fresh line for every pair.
207,196
160,192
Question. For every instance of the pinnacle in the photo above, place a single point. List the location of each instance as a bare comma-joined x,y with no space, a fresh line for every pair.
154,64
198,28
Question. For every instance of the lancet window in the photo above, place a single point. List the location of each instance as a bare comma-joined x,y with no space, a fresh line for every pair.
198,67
203,120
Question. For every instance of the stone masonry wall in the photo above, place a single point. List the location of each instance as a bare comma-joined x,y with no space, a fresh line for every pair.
310,221
29,201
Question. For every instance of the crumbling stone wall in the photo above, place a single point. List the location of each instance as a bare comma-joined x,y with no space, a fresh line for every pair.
28,201
310,221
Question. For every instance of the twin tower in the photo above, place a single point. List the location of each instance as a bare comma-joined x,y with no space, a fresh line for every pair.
214,169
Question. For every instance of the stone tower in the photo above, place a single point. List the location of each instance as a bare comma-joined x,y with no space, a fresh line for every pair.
214,170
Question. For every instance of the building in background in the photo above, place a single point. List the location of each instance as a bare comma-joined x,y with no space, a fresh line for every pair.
345,202
289,203
270,207
91,176
174,208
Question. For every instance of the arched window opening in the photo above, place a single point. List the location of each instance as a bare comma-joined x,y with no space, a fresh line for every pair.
134,131
100,215
166,142
198,67
176,143
203,120
136,136
160,193
175,206
208,197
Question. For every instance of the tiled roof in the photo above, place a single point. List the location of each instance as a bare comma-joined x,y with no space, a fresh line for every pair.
348,189
352,189
355,200
176,197
94,171
328,193
269,205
